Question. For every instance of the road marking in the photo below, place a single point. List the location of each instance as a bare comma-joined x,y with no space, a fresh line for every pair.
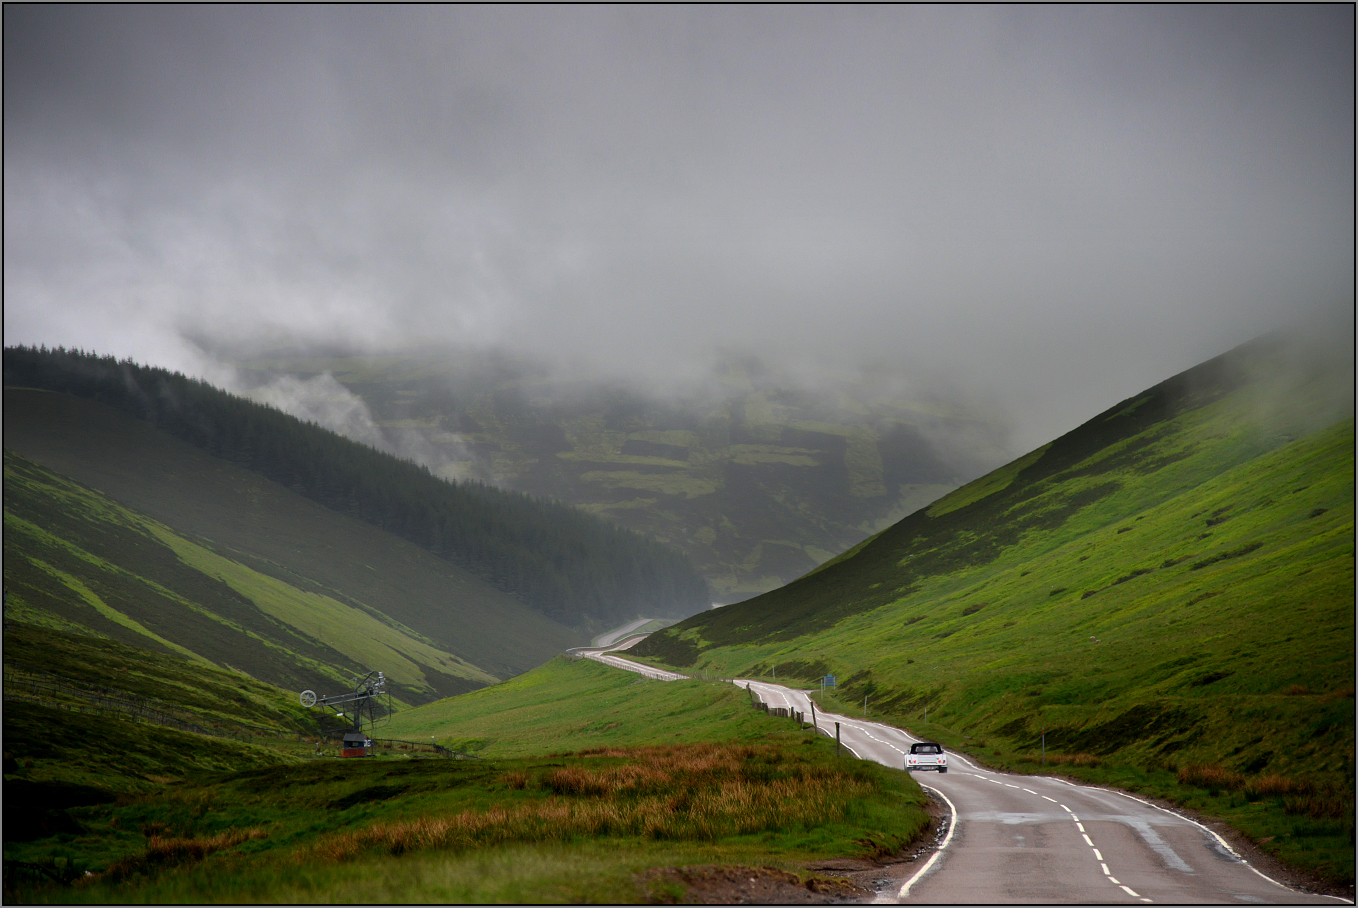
905,889
952,827
1098,855
636,667
1212,833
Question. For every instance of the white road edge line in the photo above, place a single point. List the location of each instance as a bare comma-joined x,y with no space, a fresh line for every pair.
952,827
906,888
1211,832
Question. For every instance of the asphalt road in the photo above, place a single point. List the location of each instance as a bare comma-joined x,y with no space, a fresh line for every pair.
1019,838
624,664
1034,839
606,640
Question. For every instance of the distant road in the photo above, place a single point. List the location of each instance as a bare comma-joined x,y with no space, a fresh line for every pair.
612,637
600,655
1019,838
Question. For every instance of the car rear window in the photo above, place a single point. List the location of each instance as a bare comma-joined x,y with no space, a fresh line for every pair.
925,749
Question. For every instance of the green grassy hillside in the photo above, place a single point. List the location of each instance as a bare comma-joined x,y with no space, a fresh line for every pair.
116,812
74,558
572,567
263,544
756,478
578,705
1168,586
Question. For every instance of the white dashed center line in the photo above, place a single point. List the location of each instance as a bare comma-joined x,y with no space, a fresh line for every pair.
1098,856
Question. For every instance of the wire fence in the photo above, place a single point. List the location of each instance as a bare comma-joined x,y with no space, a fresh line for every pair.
416,745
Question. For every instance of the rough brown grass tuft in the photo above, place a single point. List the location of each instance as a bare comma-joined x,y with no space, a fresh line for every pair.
1210,776
1338,694
1329,805
163,851
1277,786
699,792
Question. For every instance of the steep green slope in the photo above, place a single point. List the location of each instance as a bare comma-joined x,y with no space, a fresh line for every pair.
74,557
756,477
48,671
579,704
277,533
574,568
1170,583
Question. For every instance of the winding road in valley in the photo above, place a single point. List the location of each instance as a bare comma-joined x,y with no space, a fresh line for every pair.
1019,838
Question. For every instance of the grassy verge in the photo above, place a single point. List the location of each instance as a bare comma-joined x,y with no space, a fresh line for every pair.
1304,821
627,777
1202,616
579,704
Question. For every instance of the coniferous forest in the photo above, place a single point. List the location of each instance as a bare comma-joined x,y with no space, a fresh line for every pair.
571,566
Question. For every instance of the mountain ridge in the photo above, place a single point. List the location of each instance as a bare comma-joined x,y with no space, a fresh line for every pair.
757,476
566,564
1169,583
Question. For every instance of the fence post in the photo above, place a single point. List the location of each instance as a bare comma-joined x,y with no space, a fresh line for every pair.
836,739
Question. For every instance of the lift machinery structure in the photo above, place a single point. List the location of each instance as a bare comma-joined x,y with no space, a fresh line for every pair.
369,703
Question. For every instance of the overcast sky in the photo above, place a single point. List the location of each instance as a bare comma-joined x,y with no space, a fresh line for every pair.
1051,208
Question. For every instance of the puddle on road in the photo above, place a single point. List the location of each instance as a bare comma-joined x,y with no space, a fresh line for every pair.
1012,818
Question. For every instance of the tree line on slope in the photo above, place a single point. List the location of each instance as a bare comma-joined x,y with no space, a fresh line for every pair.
569,565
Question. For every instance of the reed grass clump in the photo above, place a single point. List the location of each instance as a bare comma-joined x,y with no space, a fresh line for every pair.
1212,776
168,851
701,792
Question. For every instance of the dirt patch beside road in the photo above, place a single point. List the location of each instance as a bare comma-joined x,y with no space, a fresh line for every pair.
853,880
714,885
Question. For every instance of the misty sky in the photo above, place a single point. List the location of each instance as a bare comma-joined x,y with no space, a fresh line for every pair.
1047,208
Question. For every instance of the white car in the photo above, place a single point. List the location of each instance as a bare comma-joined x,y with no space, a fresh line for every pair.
927,755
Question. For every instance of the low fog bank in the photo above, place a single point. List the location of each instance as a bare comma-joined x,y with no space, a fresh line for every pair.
1309,381
964,433
1311,375
1042,209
